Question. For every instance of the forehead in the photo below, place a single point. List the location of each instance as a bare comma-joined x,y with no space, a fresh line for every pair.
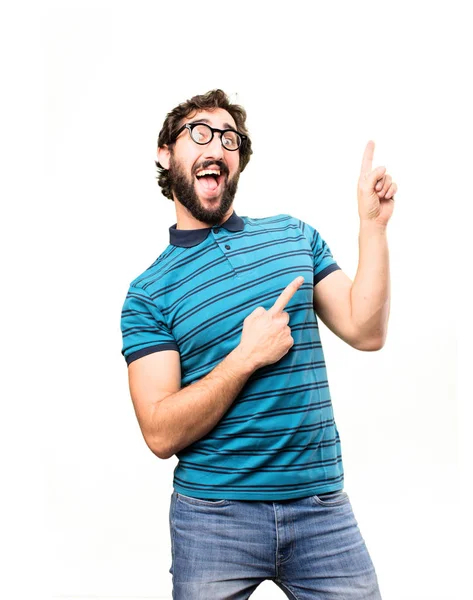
217,117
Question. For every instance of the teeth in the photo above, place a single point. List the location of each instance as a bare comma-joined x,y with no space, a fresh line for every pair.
208,172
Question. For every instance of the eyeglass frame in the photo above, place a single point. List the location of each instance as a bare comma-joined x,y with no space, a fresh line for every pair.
190,127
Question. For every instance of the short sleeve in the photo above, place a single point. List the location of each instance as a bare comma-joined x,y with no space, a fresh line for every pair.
324,263
143,327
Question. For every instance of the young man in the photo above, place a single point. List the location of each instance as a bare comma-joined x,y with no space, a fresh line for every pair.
219,378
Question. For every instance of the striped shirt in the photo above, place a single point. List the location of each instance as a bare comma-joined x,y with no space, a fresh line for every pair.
278,440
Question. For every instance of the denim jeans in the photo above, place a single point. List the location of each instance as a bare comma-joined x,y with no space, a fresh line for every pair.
311,548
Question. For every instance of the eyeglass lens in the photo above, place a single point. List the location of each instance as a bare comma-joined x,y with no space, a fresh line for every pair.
202,134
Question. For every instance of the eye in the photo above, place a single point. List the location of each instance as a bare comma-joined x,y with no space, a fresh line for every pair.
230,139
201,134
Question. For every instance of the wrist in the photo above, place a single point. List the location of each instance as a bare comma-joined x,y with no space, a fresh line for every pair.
372,226
242,361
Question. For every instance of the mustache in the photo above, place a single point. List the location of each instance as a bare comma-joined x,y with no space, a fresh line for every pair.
213,163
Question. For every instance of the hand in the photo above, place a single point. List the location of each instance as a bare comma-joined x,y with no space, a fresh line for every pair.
266,336
376,190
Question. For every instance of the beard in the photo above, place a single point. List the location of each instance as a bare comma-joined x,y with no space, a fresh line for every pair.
184,189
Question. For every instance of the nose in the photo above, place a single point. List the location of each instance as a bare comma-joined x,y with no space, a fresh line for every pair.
214,148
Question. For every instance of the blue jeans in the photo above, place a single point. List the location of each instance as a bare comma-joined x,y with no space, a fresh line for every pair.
311,548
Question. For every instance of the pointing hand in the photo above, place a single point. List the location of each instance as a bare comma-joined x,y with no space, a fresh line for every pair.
266,336
376,190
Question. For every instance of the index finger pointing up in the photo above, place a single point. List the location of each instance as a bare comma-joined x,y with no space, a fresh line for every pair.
287,293
367,162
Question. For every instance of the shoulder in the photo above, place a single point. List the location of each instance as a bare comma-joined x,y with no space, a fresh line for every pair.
156,270
273,219
274,222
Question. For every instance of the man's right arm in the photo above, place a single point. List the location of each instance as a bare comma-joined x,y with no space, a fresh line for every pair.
171,418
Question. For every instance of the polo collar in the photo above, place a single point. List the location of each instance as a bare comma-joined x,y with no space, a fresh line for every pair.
186,238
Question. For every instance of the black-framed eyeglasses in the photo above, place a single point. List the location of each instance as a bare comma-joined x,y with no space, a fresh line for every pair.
204,134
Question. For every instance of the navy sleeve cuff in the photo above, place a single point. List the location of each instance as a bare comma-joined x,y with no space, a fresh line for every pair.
325,272
145,351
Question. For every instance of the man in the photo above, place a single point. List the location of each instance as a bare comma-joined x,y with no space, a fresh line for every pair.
219,378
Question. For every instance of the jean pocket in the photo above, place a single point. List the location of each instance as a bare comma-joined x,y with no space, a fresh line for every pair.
335,498
200,501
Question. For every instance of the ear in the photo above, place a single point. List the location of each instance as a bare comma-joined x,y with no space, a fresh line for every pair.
164,155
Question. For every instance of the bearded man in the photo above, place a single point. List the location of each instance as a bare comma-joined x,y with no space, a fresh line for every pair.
218,377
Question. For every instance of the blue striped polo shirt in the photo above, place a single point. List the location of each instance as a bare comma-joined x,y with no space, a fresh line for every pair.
278,440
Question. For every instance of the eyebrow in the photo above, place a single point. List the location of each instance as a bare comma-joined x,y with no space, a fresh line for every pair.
225,125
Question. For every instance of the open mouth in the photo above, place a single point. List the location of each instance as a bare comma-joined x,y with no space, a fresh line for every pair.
210,181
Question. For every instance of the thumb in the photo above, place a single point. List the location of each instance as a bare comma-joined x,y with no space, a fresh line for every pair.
374,176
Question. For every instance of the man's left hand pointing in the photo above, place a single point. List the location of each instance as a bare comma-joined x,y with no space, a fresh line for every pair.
376,190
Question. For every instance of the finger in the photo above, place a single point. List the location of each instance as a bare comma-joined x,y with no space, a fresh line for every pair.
392,190
286,295
367,162
387,183
380,184
371,179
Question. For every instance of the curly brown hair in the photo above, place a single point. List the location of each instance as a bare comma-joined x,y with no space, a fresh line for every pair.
210,100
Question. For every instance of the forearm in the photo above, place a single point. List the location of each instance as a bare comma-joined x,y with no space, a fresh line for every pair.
187,415
370,292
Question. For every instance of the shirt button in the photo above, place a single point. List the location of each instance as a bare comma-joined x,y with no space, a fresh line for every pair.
216,230
227,247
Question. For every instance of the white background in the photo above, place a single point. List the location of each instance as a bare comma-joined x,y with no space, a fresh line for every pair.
87,86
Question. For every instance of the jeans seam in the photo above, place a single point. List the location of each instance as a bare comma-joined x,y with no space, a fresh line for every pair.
288,587
277,541
182,498
320,502
173,543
